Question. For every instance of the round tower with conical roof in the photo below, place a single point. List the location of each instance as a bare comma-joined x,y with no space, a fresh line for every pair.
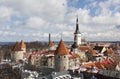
61,57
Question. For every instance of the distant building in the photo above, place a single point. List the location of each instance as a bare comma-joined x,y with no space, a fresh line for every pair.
61,59
18,51
51,44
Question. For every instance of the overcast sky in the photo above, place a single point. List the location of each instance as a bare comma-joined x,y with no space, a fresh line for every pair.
33,20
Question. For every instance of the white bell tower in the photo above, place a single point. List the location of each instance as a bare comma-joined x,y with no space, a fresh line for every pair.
77,34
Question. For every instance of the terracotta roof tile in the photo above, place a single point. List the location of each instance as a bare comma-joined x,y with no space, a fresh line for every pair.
51,44
84,48
16,47
22,44
73,55
61,49
108,63
93,52
110,51
99,65
90,64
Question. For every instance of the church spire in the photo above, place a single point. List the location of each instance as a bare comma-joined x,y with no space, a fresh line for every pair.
77,27
77,36
49,37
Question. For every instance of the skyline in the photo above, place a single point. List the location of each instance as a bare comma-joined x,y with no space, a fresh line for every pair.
31,20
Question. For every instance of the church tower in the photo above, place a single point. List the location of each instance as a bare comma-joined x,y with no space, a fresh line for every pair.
77,36
51,44
61,57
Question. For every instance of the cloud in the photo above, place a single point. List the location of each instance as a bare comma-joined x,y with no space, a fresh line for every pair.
34,19
35,22
5,14
50,10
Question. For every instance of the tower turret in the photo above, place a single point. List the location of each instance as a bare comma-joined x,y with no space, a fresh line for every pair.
18,51
61,57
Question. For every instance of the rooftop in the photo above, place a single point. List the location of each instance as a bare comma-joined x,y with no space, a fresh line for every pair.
61,49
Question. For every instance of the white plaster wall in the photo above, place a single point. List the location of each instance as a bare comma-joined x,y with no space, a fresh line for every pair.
18,55
51,62
78,39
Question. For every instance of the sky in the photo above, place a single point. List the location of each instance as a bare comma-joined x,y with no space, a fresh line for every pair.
33,20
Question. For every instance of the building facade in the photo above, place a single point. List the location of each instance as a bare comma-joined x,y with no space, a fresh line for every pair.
18,51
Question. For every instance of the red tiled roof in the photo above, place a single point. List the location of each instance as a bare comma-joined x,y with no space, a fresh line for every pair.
73,55
16,47
61,49
93,52
84,48
108,63
99,65
110,51
22,44
90,64
94,64
51,44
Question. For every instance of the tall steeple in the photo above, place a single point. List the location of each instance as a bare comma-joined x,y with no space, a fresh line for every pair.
77,27
49,37
77,35
51,44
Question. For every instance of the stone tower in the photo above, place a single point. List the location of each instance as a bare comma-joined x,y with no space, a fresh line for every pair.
18,51
61,57
23,46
